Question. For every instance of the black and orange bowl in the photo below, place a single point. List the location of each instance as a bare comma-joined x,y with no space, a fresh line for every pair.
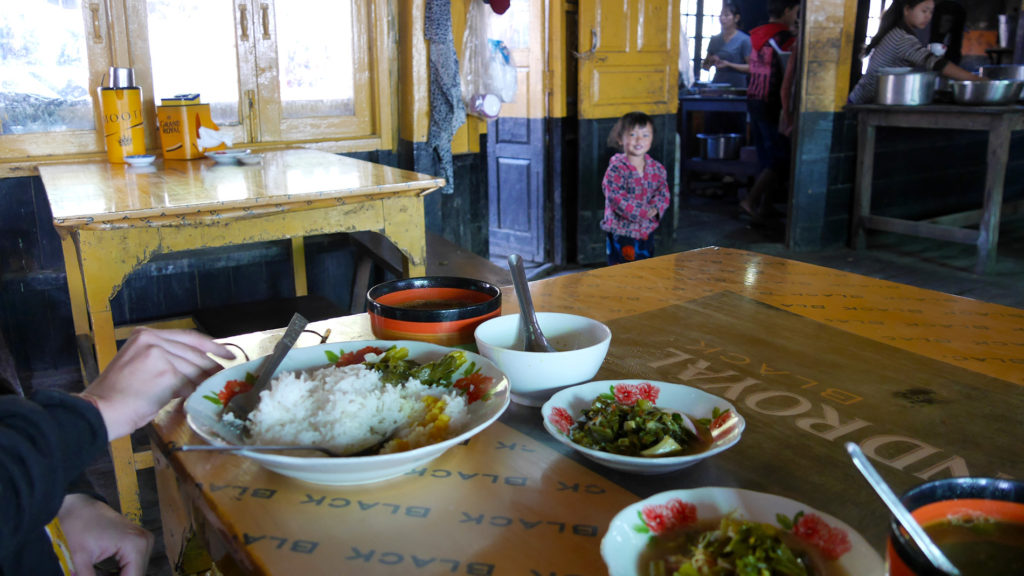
441,310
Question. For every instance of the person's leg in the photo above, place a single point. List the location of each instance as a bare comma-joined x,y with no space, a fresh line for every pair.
765,138
644,248
611,250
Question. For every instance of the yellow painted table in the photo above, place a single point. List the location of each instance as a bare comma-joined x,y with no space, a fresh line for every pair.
112,218
928,384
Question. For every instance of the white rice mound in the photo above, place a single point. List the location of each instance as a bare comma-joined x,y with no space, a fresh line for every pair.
347,409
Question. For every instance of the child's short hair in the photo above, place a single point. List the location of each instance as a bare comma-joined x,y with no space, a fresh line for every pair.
776,8
625,124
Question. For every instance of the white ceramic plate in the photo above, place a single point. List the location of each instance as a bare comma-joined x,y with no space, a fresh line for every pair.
622,545
673,397
227,156
204,418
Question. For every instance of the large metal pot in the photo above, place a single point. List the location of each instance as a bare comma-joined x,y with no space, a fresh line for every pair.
1003,72
720,146
899,88
992,92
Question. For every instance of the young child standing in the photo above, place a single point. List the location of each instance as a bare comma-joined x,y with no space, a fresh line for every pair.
636,192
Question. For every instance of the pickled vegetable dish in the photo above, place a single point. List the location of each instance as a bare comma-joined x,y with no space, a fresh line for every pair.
683,545
626,421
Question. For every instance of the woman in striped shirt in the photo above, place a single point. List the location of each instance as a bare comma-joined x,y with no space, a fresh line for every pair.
896,46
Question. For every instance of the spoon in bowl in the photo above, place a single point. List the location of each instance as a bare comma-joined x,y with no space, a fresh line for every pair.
529,328
903,516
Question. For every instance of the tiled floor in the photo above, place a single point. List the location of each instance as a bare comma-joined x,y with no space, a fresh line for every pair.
713,220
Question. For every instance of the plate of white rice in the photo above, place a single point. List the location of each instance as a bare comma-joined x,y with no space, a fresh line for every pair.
348,409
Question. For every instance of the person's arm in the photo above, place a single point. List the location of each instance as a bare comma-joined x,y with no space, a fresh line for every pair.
955,72
151,369
788,93
95,532
45,441
662,198
745,68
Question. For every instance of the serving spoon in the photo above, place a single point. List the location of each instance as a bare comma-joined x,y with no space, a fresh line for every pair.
529,328
370,450
903,516
242,404
253,448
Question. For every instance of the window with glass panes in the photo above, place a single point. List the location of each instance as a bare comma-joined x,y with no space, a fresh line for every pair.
874,19
273,71
699,24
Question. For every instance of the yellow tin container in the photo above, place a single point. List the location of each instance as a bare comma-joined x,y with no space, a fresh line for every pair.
121,104
180,118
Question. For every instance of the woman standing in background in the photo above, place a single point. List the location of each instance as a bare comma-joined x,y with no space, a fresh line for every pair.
728,52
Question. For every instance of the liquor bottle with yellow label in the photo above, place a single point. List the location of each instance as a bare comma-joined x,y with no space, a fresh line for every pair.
121,104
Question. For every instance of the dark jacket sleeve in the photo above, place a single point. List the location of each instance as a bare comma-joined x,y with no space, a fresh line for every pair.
45,443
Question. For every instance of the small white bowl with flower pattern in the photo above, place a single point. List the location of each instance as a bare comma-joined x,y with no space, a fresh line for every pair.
835,547
563,409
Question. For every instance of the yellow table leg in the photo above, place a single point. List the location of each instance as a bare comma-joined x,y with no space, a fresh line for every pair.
404,226
299,266
76,290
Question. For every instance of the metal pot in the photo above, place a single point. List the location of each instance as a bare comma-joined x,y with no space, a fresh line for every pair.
906,88
992,92
1003,72
720,146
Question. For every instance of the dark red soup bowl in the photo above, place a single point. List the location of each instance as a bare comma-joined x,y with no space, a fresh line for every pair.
441,310
978,523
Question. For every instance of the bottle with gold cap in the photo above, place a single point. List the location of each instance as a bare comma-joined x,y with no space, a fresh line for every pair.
121,104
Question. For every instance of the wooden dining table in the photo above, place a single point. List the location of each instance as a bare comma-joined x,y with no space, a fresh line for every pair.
928,384
113,218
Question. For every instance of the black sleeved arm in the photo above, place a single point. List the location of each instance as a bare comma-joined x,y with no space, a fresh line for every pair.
45,443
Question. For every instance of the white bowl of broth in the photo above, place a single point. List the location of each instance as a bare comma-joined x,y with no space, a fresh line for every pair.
442,310
581,344
978,523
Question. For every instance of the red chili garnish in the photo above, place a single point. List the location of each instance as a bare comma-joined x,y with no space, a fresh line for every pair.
723,419
628,394
357,357
561,419
231,389
672,515
476,386
833,542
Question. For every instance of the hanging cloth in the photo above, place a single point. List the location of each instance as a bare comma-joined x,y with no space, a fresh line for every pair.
447,112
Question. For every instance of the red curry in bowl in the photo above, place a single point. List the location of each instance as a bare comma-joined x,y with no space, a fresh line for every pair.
441,310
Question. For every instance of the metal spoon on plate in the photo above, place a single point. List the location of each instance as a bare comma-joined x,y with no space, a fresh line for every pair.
252,448
903,516
242,404
529,328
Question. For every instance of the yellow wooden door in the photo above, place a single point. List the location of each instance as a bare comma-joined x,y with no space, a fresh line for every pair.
628,58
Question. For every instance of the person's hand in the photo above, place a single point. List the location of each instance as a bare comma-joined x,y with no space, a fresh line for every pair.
95,532
152,368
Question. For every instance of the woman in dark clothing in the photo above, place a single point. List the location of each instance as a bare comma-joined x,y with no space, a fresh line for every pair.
48,440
